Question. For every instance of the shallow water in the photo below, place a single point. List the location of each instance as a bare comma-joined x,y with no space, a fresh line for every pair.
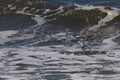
53,61
47,64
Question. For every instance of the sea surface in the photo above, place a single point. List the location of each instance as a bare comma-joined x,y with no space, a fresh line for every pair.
113,3
59,40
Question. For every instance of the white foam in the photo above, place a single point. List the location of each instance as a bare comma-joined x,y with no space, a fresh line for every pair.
5,34
59,10
111,14
61,62
85,7
109,44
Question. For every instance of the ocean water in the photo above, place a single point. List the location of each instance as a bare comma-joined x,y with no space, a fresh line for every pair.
114,3
45,40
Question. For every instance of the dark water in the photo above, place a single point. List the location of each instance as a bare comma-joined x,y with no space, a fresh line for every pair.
114,3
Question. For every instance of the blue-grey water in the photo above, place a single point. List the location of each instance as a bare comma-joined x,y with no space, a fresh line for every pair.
114,3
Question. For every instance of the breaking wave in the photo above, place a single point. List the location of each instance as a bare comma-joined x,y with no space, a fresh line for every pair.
47,44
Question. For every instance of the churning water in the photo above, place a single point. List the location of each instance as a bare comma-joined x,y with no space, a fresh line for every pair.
29,52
